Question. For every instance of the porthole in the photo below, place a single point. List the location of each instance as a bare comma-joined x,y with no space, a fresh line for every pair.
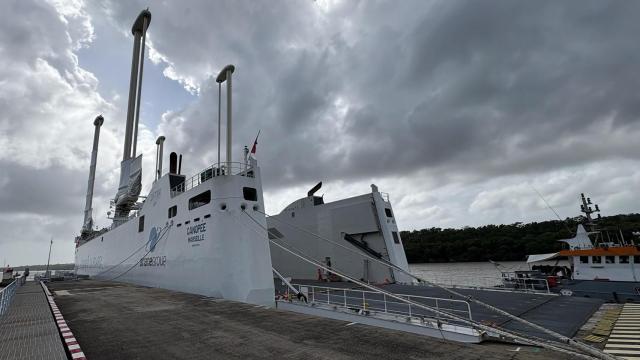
255,207
243,206
223,207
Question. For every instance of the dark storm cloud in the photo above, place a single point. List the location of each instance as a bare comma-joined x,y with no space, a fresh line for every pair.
53,190
469,87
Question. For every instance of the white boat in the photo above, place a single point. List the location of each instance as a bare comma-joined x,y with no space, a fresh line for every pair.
185,235
345,234
602,264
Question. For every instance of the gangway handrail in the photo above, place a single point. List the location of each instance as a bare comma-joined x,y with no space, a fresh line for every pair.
385,302
7,293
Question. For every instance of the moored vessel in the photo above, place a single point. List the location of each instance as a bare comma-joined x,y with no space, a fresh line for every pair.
184,235
603,263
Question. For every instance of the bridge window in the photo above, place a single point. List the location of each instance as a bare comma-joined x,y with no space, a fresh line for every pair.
141,224
396,239
250,193
173,211
636,259
584,259
388,212
624,259
200,200
610,259
596,259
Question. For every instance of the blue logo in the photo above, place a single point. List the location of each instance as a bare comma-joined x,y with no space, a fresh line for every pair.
154,237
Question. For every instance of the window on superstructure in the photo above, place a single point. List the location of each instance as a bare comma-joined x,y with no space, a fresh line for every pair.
173,211
596,259
250,193
141,224
200,200
396,238
388,212
636,259
623,259
610,259
584,259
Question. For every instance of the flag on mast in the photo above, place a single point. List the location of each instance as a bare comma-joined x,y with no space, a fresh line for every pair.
255,145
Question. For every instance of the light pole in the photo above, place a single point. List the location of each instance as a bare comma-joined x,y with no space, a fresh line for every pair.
46,273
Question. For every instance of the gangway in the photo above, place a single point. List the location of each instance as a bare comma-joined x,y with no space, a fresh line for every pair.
376,309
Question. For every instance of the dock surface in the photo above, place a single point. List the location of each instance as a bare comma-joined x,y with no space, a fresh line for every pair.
28,330
116,320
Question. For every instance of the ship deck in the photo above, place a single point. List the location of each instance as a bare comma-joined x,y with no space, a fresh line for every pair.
117,320
540,309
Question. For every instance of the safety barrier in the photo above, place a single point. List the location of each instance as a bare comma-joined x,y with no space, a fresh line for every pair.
364,300
6,294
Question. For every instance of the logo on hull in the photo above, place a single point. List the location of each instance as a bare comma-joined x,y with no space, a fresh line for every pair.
154,237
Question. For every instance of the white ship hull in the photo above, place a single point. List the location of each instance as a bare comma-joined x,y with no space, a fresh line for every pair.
211,250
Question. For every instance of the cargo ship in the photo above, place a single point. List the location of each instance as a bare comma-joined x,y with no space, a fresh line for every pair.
184,234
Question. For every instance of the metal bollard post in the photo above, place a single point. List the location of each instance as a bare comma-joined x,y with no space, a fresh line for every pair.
384,298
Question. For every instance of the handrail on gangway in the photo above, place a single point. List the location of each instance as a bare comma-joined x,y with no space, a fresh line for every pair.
6,294
366,300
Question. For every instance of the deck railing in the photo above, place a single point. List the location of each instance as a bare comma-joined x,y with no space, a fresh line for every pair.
364,300
488,282
512,281
215,170
6,294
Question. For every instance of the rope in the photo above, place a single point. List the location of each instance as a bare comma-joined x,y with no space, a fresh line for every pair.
562,338
163,232
473,324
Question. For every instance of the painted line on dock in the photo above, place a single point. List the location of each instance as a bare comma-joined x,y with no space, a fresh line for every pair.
70,342
624,341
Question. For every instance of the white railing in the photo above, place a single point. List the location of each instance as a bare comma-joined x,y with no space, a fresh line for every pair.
6,294
364,300
512,281
465,281
486,282
385,196
222,169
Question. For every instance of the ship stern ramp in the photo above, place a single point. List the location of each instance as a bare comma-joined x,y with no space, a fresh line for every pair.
350,234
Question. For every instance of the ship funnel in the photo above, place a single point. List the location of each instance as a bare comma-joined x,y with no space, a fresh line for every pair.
87,225
139,31
173,162
159,148
314,189
225,75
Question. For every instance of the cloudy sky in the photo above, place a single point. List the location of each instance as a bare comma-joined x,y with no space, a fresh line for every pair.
458,109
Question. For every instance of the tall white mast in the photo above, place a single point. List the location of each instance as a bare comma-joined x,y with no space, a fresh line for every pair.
87,225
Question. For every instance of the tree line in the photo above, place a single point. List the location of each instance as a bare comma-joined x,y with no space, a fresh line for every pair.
506,242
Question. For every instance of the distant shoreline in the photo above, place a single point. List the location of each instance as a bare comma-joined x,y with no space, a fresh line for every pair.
44,267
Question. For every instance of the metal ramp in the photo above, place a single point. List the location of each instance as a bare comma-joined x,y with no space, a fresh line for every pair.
376,309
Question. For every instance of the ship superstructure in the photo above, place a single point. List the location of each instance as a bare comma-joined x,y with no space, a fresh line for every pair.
185,234
348,234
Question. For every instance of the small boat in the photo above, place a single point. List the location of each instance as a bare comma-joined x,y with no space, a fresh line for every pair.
602,264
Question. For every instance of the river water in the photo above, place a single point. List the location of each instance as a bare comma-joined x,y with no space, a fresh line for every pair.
469,273
463,273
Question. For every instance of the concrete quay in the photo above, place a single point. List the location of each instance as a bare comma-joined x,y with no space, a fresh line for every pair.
117,320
